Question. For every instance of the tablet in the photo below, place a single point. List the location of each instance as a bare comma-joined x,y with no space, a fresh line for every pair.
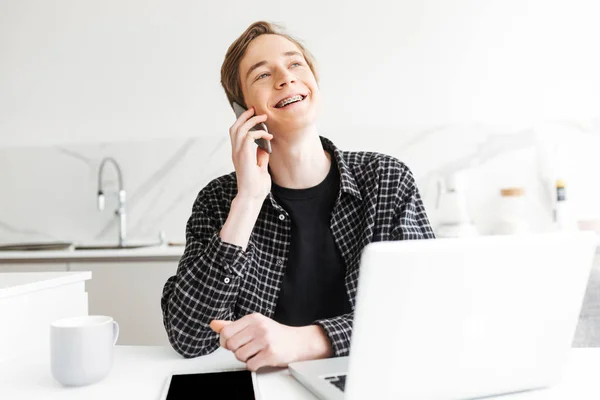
238,384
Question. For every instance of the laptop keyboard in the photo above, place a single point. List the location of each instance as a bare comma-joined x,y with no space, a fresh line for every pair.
338,381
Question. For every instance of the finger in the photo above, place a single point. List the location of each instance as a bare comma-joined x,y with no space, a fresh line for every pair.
242,133
254,135
249,350
262,158
217,324
241,120
252,122
261,359
239,339
232,329
251,136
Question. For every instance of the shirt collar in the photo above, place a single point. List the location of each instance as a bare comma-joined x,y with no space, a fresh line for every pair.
347,181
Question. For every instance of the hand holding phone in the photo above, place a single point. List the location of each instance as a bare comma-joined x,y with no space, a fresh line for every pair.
264,144
251,163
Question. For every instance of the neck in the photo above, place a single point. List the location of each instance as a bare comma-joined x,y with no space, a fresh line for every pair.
298,161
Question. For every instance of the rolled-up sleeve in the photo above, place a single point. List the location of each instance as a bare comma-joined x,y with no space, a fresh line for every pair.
206,284
339,331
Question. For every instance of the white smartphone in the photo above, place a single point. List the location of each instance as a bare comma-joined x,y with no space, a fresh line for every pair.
264,144
239,384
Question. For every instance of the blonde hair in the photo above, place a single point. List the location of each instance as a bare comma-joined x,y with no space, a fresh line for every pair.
230,70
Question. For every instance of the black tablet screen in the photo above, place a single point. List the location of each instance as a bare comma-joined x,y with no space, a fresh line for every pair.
222,385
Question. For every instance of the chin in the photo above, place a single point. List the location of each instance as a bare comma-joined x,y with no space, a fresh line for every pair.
294,123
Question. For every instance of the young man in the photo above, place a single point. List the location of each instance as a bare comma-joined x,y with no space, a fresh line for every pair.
272,252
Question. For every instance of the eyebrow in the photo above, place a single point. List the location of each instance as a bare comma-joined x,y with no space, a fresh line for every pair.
261,63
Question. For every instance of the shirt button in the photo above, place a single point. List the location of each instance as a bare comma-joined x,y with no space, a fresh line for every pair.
281,217
226,280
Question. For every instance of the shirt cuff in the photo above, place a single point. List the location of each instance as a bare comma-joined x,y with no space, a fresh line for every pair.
231,257
338,331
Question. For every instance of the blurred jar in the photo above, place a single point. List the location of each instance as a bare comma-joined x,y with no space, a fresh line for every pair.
512,215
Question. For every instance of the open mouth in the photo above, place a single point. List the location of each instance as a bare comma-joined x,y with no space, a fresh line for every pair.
290,100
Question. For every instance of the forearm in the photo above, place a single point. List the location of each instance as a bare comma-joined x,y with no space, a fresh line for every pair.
314,343
240,221
206,287
188,333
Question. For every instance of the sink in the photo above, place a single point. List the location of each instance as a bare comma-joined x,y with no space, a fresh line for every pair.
36,246
58,245
110,247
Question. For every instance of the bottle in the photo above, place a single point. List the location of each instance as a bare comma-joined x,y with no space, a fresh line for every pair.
562,215
512,212
451,206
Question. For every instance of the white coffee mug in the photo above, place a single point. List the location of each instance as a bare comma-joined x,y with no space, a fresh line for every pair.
81,348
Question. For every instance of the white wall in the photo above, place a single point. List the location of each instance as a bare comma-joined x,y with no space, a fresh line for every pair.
437,83
81,71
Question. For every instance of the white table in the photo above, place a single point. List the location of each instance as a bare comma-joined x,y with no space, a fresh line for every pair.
139,373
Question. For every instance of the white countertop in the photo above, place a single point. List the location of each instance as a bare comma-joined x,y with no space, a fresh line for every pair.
139,372
15,283
153,253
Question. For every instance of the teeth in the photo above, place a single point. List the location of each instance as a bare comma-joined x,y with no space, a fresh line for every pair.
289,100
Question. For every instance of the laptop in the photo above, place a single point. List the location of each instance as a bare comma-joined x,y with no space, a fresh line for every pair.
459,318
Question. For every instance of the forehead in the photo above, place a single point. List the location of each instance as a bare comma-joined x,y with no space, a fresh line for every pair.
266,47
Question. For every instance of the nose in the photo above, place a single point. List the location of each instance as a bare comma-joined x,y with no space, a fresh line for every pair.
284,77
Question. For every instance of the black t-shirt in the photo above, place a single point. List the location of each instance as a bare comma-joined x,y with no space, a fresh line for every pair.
313,286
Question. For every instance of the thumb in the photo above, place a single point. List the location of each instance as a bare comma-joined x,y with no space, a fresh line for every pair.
217,325
262,158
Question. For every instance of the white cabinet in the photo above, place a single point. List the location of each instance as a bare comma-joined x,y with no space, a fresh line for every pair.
130,292
33,267
29,302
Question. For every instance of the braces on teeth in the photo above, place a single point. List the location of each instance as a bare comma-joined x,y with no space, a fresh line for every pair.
289,100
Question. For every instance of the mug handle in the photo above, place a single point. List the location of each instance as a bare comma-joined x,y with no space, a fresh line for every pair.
115,332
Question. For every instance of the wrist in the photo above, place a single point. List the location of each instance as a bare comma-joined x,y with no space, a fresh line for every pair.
248,203
314,343
240,222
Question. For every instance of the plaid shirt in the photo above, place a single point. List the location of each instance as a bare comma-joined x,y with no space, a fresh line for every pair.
378,200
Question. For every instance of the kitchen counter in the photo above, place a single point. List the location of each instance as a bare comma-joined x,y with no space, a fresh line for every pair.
13,284
152,253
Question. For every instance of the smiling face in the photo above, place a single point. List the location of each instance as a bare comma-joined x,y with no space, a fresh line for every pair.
277,81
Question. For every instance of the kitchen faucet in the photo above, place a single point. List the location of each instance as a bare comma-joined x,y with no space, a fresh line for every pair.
120,211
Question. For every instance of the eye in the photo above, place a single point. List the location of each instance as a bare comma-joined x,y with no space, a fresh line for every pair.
262,76
295,63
